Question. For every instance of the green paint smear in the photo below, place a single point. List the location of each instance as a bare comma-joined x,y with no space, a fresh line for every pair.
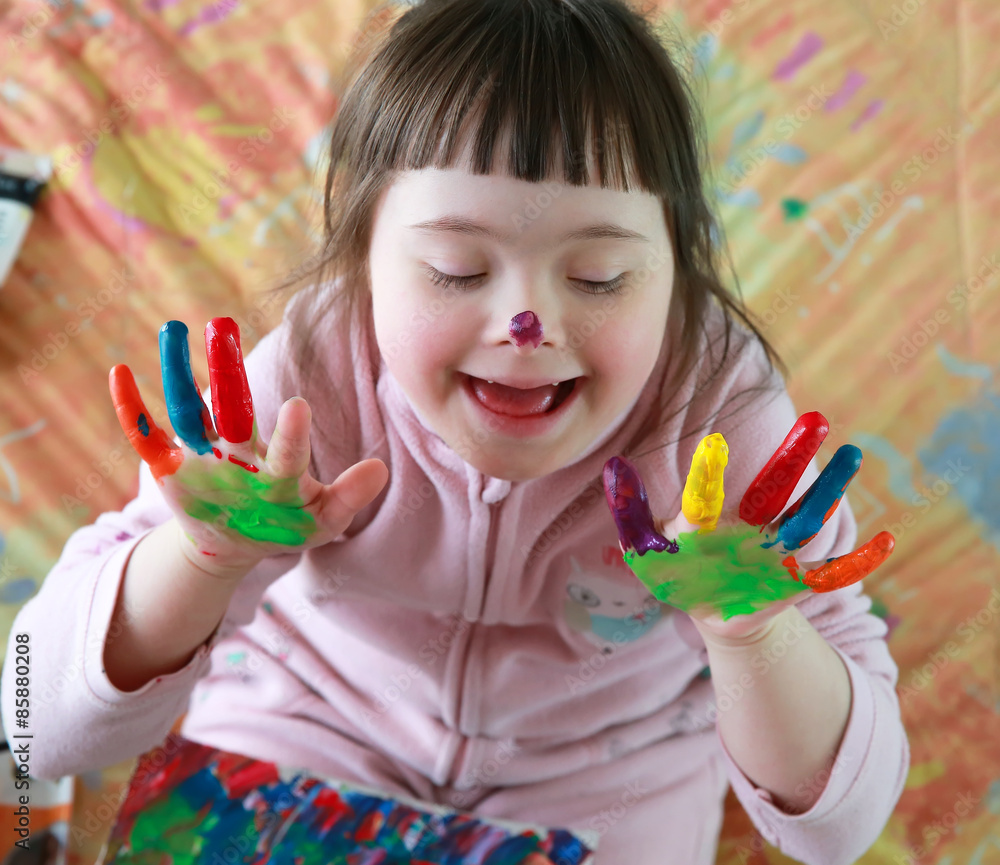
170,830
794,208
258,507
727,570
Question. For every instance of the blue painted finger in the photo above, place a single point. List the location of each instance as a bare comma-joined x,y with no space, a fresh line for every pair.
802,522
185,407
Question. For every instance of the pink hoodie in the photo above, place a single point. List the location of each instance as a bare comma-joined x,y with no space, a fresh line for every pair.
471,631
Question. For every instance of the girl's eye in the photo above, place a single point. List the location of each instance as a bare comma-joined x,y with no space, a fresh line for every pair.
613,286
447,280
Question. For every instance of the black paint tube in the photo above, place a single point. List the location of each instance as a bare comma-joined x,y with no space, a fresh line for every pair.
22,178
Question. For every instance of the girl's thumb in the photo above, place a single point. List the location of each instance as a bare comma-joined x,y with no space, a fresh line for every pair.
288,450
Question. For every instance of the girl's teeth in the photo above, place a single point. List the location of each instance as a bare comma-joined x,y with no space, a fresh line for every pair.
554,384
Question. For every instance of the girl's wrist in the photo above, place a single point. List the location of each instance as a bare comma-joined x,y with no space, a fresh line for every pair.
225,568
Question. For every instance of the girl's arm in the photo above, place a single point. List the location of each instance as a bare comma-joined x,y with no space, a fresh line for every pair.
788,699
819,780
166,608
79,719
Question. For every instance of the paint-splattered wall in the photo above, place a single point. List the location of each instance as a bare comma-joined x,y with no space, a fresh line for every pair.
856,170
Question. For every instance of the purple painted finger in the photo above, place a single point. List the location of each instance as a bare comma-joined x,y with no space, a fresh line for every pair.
629,505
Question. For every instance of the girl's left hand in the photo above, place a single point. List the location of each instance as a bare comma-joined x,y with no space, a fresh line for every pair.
731,583
738,628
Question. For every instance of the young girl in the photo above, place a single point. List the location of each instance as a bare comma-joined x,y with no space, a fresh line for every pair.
417,584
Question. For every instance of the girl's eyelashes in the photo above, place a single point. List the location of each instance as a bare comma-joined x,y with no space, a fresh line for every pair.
446,279
613,286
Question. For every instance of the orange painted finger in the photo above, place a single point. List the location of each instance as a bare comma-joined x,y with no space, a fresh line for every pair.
847,569
152,444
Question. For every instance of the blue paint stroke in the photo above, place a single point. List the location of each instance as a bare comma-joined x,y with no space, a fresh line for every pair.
724,72
962,368
704,50
746,130
790,154
744,197
17,591
964,451
900,480
804,519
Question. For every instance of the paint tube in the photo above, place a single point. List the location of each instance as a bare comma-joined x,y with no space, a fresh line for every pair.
22,178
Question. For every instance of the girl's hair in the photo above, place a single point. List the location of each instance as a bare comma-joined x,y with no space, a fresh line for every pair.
588,76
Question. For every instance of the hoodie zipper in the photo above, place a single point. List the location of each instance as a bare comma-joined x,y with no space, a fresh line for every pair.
491,543
452,776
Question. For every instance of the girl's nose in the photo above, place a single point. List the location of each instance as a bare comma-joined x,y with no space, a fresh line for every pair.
526,329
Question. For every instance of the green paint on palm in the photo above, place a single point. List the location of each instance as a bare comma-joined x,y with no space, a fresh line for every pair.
727,570
256,506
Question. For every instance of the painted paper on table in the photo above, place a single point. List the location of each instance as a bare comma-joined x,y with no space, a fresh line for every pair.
188,803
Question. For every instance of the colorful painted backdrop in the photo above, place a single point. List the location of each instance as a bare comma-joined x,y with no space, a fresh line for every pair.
856,170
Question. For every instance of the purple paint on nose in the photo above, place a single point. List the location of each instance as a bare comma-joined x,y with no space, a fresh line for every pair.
630,507
525,327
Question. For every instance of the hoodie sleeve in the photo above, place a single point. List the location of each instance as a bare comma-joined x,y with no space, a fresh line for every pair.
872,762
78,720
869,772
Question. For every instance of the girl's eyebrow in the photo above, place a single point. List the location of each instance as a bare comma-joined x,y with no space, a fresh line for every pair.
464,225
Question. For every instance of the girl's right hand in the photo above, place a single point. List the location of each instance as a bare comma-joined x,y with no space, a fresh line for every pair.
236,499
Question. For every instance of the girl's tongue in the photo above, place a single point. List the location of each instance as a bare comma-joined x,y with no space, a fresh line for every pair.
513,401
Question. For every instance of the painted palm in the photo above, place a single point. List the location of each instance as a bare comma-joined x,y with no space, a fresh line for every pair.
730,568
216,480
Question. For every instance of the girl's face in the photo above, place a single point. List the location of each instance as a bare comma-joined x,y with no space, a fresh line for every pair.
436,338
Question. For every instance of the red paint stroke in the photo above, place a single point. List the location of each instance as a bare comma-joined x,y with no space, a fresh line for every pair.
207,553
157,772
852,567
765,36
774,484
329,802
156,448
255,774
852,83
247,466
808,46
792,567
231,402
370,827
218,453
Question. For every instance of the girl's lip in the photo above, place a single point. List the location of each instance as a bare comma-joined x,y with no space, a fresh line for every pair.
530,424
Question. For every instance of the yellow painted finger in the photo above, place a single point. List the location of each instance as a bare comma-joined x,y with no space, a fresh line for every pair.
701,502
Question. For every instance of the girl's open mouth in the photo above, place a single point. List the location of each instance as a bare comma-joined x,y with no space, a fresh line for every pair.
522,413
521,403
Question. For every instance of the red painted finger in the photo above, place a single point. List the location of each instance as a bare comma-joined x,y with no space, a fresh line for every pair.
152,444
768,492
231,402
847,569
